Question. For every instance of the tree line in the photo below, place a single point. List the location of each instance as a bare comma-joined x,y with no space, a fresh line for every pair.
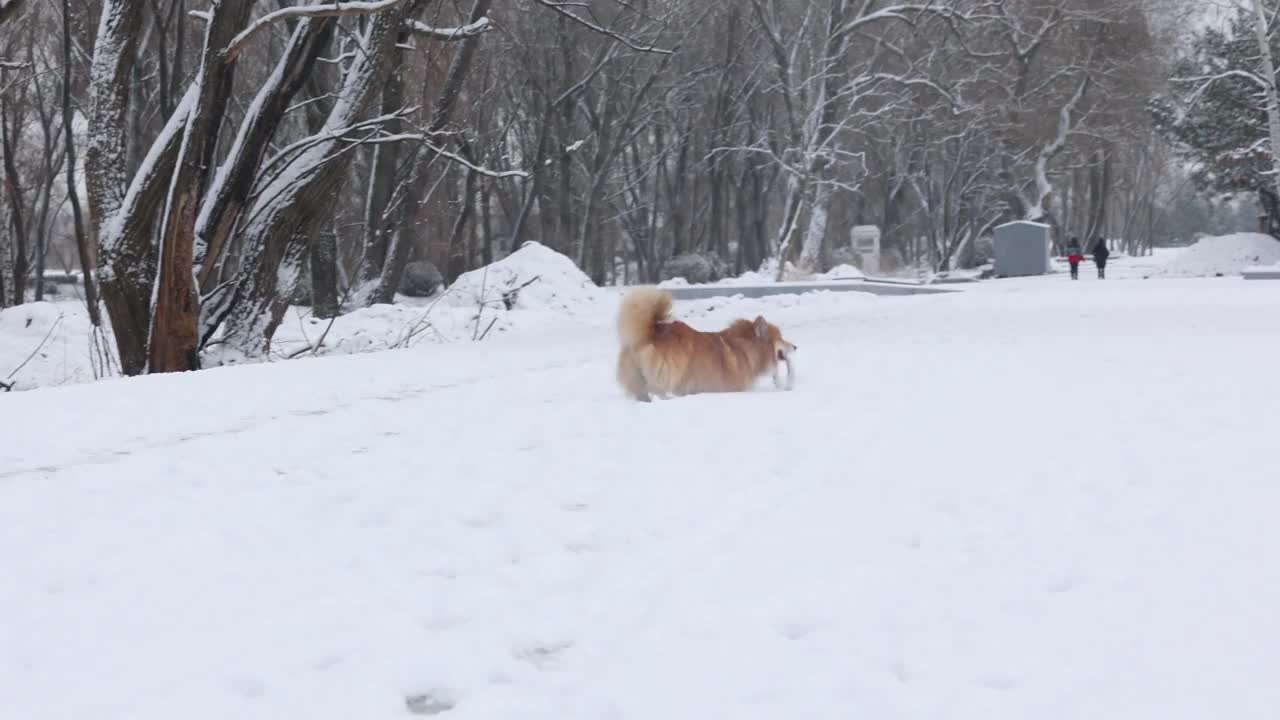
207,162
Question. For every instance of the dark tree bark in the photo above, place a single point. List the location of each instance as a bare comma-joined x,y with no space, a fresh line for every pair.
323,260
17,222
458,250
386,166
486,223
174,336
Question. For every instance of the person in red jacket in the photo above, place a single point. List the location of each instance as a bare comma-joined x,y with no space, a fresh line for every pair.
1075,256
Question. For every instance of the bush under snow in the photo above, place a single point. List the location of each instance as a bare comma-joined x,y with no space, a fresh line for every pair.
1223,255
695,268
421,279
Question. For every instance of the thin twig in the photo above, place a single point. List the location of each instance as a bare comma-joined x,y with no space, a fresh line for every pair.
52,327
487,329
422,323
313,349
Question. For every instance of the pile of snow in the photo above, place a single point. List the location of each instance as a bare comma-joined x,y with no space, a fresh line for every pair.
749,277
841,272
534,277
533,288
530,289
44,344
383,327
1223,255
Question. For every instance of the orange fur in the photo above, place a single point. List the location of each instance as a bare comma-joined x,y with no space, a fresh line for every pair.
665,357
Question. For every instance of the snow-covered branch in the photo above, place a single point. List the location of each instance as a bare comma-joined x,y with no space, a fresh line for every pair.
482,25
566,9
9,8
455,157
902,13
1044,187
1207,80
333,9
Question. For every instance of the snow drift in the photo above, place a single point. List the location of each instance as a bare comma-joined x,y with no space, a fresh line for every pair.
535,277
1226,255
529,289
45,344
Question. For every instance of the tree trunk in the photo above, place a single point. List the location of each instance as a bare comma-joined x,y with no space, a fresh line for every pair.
458,250
1268,75
386,166
126,260
225,201
324,274
175,335
486,223
290,208
83,245
17,222
816,233
412,191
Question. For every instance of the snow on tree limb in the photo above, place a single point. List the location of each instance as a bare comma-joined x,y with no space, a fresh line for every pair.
482,25
150,180
106,155
288,208
1044,187
333,9
587,21
229,190
454,157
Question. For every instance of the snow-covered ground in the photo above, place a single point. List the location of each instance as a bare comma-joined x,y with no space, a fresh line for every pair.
51,344
1032,499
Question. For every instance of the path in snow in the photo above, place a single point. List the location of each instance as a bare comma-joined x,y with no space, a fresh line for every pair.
1040,499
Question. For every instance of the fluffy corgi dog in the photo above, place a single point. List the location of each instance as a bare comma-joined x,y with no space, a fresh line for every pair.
665,357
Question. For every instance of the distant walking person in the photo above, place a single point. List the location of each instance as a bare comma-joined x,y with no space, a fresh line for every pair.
1100,255
1074,256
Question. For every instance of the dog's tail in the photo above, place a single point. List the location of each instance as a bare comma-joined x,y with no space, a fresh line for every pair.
642,309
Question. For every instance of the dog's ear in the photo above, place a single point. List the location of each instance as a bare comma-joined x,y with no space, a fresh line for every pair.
761,327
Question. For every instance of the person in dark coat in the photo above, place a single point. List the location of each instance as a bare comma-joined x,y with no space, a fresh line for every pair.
1074,256
1100,255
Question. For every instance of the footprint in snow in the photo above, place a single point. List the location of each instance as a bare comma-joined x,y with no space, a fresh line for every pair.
541,656
430,703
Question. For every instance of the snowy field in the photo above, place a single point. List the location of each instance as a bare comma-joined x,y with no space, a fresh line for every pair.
1036,499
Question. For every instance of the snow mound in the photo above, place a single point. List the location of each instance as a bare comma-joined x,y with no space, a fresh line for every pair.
534,277
841,272
1222,255
749,277
51,339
